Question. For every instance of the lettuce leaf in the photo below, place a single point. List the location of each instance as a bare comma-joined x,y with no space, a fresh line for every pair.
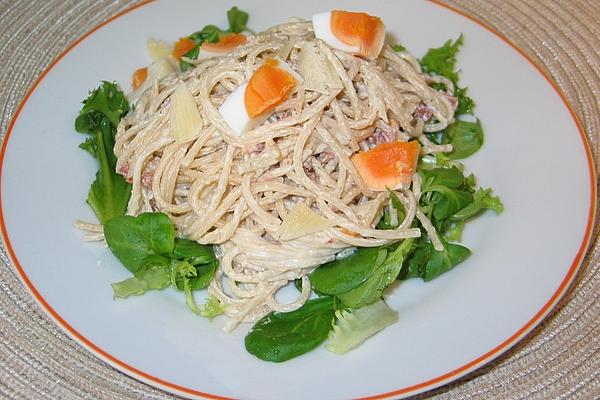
212,308
278,337
442,61
99,117
354,326
382,275
151,279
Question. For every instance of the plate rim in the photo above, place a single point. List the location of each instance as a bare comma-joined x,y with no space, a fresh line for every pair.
420,387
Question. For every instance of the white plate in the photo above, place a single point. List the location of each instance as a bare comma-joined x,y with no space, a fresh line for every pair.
535,157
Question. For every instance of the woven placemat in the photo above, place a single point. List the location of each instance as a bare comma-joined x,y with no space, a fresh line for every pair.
558,360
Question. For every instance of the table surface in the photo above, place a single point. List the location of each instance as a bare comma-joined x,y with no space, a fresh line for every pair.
559,359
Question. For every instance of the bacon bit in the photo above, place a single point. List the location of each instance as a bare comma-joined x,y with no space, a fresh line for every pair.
147,178
453,100
423,112
182,47
279,115
326,156
308,170
384,136
123,169
139,77
307,165
257,148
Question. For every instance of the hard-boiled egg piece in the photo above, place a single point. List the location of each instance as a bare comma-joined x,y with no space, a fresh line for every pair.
225,44
322,28
254,101
353,32
143,78
234,112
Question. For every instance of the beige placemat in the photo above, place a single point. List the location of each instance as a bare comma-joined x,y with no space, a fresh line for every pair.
558,360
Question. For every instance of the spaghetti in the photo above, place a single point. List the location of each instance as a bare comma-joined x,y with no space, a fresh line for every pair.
234,191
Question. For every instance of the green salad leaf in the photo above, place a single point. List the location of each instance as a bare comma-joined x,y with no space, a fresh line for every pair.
154,278
442,61
398,48
181,274
465,103
445,260
482,200
99,117
146,245
132,239
465,137
354,326
279,337
90,146
344,274
107,102
237,20
386,222
383,274
210,33
427,263
193,252
212,308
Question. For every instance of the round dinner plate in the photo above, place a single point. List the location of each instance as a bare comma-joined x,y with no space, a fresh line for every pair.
535,157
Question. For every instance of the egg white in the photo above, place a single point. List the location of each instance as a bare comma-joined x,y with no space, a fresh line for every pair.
234,111
322,28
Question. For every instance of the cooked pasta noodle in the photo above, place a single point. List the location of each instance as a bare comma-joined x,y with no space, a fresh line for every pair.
233,191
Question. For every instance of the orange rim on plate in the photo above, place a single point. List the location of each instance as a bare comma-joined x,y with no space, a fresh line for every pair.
419,387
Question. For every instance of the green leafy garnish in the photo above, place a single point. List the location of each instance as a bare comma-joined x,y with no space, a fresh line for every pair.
465,137
279,337
383,274
99,117
442,61
482,200
354,326
449,198
212,307
398,48
132,239
427,263
465,103
181,274
344,274
146,245
210,33
386,222
152,278
237,20
89,145
192,251
444,260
